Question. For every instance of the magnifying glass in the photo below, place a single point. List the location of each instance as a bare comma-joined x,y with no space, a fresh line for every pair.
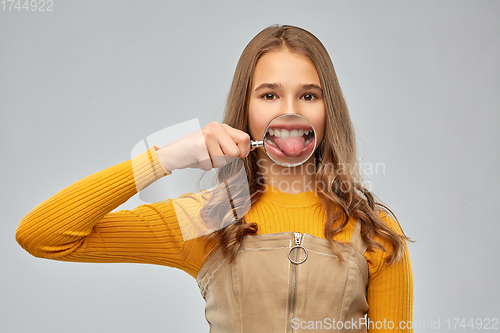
289,140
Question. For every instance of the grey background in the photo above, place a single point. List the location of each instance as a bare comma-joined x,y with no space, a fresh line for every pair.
81,85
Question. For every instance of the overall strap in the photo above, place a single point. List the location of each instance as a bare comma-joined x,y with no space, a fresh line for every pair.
356,240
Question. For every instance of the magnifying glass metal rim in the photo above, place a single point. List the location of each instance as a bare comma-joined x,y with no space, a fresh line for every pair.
260,143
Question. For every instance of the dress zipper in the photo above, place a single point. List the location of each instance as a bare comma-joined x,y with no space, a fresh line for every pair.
296,247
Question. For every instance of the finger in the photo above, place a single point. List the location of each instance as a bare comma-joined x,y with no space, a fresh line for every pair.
214,150
240,138
227,143
205,164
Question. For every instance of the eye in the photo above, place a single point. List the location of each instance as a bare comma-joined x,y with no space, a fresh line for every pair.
271,95
309,96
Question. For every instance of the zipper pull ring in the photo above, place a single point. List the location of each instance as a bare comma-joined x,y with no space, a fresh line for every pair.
298,238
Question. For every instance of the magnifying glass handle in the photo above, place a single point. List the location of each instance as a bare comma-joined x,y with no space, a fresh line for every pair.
256,144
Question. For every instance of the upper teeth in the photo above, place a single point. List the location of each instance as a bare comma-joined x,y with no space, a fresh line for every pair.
284,133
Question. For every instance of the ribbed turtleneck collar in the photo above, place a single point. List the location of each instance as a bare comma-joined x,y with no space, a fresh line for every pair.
277,197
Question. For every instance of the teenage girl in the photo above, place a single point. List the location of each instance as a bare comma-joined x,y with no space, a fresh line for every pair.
314,251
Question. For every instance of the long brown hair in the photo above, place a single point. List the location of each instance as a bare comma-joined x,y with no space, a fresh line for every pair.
336,162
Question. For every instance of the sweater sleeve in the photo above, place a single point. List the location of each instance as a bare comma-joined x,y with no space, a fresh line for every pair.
390,289
77,223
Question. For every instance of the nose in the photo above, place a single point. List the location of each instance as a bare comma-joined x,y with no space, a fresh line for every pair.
290,106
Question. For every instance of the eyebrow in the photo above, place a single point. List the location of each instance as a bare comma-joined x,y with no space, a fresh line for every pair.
268,85
311,86
278,85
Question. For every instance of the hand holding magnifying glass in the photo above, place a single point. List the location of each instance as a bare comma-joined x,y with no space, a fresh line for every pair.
289,140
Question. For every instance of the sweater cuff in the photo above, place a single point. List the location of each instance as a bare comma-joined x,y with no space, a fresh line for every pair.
147,168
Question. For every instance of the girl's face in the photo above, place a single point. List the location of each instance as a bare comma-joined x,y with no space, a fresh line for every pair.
285,82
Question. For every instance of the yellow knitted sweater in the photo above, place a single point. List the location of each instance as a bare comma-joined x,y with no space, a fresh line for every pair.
77,224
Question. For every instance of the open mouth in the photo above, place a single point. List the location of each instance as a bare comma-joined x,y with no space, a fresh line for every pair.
289,140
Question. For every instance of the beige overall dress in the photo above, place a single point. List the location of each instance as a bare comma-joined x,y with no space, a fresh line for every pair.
286,282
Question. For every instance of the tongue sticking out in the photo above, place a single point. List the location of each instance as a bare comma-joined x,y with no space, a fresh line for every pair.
292,145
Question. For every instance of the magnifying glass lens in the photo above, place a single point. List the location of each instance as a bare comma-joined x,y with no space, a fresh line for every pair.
289,140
